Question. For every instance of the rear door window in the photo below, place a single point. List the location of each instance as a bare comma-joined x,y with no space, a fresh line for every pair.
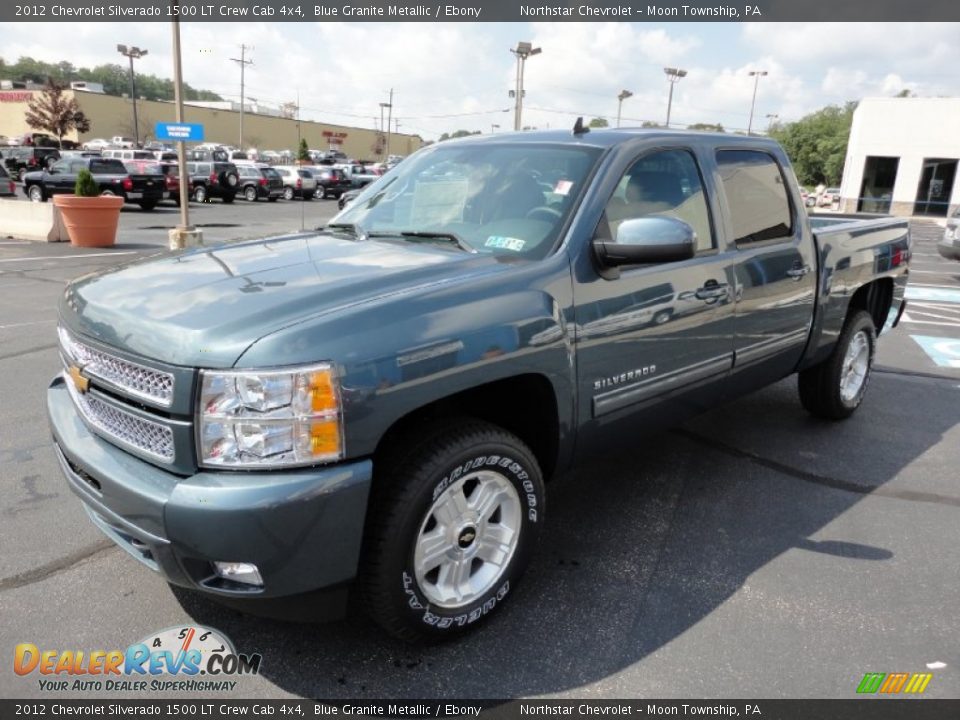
756,193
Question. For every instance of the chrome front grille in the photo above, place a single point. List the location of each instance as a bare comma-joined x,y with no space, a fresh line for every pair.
150,438
129,377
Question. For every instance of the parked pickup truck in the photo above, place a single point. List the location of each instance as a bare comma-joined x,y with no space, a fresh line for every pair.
110,174
378,406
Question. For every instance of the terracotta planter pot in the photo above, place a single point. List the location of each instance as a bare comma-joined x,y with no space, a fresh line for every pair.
90,221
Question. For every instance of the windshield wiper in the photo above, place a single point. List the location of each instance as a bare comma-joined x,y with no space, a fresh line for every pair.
353,228
449,237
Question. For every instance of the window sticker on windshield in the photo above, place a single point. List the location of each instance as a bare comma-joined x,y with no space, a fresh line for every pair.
506,243
438,202
563,187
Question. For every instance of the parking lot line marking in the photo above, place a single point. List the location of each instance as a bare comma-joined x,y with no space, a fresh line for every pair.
933,272
68,257
945,352
23,324
15,242
929,285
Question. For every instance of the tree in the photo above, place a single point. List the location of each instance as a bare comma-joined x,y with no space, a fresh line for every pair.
303,152
458,134
706,127
81,122
817,143
53,111
598,122
650,124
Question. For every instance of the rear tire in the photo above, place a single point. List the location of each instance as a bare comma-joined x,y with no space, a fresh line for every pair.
36,194
250,193
229,198
834,388
149,205
200,194
288,193
451,528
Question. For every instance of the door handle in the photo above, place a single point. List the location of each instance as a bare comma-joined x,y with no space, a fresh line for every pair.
797,272
712,291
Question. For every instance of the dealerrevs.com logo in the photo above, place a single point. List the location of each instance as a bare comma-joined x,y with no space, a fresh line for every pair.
189,659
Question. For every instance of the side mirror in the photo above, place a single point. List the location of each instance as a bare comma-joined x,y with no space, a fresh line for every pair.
647,240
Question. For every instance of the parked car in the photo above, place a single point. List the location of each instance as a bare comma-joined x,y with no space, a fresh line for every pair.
128,154
213,180
119,141
166,171
36,139
26,158
146,190
297,182
949,247
358,175
829,197
331,182
259,181
8,188
373,411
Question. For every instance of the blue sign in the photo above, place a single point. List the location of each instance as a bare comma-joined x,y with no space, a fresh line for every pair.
945,352
184,132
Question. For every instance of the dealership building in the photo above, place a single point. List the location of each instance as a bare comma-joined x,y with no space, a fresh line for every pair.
902,157
110,116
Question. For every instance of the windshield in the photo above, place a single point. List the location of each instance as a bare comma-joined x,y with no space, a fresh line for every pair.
510,199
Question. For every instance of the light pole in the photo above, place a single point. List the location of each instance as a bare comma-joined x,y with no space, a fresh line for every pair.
771,119
493,128
382,134
756,74
134,53
673,76
624,94
522,51
243,62
389,119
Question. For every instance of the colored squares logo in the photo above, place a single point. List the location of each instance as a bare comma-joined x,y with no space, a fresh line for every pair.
894,683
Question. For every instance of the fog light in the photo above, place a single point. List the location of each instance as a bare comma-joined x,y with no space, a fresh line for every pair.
246,573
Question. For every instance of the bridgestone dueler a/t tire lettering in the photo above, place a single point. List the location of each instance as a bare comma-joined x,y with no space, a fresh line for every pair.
408,482
821,386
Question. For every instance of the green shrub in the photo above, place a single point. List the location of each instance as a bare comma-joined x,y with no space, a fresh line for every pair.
86,186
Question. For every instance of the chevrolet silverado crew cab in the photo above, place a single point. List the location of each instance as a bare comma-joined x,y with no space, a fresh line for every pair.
373,410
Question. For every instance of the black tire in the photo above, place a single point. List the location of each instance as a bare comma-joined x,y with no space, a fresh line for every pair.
662,317
228,198
36,193
250,193
288,193
200,194
822,386
148,205
422,470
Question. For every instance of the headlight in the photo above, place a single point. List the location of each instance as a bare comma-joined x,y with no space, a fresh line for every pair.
269,418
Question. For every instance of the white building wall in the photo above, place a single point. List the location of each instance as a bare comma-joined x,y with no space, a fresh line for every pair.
909,128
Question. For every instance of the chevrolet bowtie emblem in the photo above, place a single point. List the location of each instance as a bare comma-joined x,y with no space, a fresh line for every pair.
79,381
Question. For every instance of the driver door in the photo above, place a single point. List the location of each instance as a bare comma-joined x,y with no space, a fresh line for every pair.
654,342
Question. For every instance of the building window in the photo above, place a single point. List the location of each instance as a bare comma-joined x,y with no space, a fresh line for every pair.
879,177
936,186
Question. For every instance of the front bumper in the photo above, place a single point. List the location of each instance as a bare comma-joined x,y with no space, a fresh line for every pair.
949,249
302,528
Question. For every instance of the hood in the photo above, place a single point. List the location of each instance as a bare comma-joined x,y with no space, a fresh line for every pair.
204,307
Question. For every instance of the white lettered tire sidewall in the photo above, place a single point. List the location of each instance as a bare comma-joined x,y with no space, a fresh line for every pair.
408,604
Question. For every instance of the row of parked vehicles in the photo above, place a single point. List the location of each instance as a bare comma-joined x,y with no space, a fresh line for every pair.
140,178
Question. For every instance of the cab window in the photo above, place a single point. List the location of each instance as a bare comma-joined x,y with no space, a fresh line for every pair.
756,195
663,184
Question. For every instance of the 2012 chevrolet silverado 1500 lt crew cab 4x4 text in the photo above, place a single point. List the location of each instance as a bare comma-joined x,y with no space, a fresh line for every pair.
372,410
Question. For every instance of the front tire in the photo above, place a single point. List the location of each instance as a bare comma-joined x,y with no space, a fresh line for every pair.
288,193
250,194
451,529
200,194
36,194
834,388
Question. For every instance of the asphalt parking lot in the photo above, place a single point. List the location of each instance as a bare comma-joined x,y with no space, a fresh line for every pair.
754,552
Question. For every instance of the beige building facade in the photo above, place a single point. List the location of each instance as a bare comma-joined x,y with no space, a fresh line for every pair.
110,116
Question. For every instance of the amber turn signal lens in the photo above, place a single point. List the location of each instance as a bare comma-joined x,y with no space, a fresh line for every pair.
325,438
323,397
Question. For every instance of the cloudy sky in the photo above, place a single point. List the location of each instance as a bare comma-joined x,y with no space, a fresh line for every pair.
451,76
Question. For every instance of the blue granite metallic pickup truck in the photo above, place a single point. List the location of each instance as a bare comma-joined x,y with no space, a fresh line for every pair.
373,410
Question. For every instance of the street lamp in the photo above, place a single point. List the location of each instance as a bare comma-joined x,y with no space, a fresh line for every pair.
771,119
522,51
624,94
134,53
673,76
382,106
756,74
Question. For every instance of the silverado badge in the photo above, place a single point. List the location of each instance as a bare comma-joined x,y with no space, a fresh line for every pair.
79,381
